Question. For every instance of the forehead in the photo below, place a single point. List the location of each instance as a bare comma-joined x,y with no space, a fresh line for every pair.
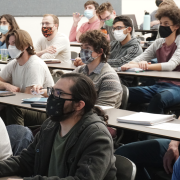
48,19
3,19
105,14
90,6
163,19
12,38
64,84
119,23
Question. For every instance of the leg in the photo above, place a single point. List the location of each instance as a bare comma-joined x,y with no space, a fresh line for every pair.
15,115
148,153
165,98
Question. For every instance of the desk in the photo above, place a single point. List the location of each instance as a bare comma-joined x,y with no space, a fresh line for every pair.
3,62
75,44
173,75
14,177
146,31
114,113
62,66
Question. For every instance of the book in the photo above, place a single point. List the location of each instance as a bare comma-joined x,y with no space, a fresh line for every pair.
146,119
51,61
35,100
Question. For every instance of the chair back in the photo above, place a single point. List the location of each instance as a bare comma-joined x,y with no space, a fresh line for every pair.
126,169
74,55
125,97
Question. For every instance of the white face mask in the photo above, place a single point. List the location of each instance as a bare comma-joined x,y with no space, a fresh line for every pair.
119,35
14,52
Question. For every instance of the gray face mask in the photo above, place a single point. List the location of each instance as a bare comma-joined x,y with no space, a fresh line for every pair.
86,56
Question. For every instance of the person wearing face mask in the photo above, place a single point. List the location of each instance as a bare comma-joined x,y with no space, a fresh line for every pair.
53,45
73,143
7,24
94,54
124,49
93,21
157,153
25,71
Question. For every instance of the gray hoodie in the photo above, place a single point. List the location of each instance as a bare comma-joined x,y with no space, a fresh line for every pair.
121,55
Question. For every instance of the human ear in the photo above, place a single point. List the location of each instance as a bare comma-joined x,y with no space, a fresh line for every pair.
79,105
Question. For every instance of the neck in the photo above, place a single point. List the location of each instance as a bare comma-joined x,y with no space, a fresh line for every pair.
52,36
92,66
93,19
128,38
170,39
67,124
25,57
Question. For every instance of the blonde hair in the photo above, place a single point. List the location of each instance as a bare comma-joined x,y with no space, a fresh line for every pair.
167,2
22,40
55,18
104,7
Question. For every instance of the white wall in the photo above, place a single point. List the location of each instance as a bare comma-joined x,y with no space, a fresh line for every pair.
137,7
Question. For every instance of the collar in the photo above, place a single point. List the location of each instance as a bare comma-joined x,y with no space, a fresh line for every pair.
97,70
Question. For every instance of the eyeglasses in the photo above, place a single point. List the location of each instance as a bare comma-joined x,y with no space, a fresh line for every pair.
118,28
46,24
57,93
107,18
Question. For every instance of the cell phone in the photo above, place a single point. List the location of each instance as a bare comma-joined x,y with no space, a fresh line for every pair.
6,94
39,105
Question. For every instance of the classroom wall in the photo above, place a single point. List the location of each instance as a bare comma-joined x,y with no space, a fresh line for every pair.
137,7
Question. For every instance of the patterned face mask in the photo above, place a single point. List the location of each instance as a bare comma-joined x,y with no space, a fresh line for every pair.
86,56
47,31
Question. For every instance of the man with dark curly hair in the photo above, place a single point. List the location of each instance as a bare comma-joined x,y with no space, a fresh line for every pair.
157,153
94,53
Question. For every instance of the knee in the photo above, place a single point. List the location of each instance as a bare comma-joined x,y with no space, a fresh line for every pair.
125,151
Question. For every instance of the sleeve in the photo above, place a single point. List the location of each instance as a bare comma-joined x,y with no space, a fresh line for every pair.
131,54
61,44
72,34
6,73
22,165
96,160
149,53
36,75
110,87
38,46
175,59
1,43
176,172
81,29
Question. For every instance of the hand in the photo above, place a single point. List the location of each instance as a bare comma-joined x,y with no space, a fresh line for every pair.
51,50
129,66
144,65
76,18
35,90
78,62
169,159
11,88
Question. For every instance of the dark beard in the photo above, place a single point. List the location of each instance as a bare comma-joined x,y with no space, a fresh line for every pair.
62,117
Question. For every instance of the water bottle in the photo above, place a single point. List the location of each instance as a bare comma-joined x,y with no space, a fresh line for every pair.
147,21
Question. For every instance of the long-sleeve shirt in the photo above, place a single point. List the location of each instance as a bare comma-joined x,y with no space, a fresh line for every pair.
84,27
62,44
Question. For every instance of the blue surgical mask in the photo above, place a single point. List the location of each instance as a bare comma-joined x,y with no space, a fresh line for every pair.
86,56
88,14
4,29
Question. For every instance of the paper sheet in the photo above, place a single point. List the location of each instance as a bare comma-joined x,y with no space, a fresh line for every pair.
167,126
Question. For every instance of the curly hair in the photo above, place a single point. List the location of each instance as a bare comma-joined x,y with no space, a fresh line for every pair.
94,3
167,2
97,40
104,7
172,12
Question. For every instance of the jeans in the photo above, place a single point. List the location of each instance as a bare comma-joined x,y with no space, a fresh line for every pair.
176,170
145,154
159,96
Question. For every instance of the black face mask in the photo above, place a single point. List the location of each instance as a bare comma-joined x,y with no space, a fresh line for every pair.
165,31
158,2
55,107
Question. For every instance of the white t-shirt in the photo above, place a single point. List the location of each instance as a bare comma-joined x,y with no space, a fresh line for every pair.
33,72
62,44
5,145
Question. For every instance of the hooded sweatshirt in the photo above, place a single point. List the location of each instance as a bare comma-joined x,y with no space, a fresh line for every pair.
121,55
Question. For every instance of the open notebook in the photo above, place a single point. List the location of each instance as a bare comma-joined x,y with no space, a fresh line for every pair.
146,119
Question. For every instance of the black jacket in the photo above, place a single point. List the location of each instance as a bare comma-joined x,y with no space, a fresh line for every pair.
89,153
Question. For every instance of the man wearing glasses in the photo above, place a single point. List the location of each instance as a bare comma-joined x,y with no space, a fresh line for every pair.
53,45
73,143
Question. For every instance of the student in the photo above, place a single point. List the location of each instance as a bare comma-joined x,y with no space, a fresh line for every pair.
25,72
164,93
157,153
73,142
5,146
7,24
94,54
53,45
93,21
124,48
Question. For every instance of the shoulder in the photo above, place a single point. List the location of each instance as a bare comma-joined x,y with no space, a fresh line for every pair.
177,41
61,38
12,64
35,61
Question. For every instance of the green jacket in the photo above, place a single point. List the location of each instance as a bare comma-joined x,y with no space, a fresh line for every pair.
89,153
